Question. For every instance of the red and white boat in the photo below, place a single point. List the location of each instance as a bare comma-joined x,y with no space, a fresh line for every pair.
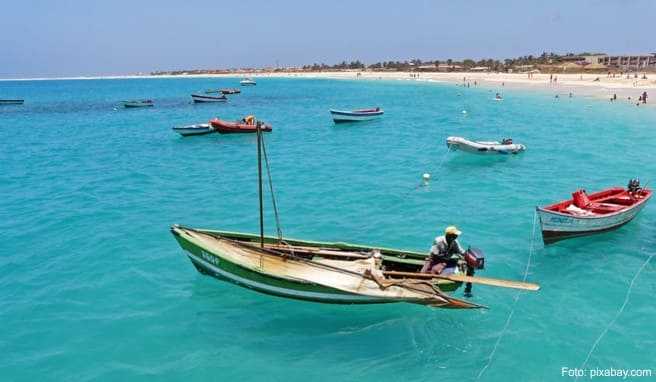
595,213
247,125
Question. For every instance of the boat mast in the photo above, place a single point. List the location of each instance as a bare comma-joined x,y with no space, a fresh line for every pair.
259,180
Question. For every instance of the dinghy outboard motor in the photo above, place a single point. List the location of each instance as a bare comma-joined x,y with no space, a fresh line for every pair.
475,258
634,186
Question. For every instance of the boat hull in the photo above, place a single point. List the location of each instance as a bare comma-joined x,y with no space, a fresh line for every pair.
11,101
483,148
226,127
218,262
557,226
187,131
136,104
208,99
340,116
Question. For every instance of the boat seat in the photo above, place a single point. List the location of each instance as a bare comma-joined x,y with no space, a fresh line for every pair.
605,208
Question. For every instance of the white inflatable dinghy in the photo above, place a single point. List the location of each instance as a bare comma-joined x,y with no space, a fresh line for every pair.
506,146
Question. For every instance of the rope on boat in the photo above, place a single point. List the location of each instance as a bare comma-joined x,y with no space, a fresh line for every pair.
617,315
273,196
514,304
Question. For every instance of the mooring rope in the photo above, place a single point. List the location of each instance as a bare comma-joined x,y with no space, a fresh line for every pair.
617,315
424,182
512,309
273,196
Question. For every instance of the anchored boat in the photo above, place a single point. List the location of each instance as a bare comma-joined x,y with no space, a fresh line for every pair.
247,82
506,146
12,101
246,125
336,273
138,103
340,116
201,98
590,214
230,91
198,129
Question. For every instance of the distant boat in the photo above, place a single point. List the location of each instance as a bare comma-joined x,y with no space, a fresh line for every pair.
12,101
355,115
247,82
198,129
199,98
227,127
230,91
506,146
590,214
138,103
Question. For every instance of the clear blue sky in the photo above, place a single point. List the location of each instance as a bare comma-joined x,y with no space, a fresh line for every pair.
68,37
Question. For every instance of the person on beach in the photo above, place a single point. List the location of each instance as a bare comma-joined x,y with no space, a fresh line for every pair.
445,251
644,97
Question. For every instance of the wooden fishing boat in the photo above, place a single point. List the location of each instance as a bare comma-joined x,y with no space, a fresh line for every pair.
230,91
201,98
590,214
236,127
314,271
198,129
506,146
12,101
138,103
340,116
247,82
323,272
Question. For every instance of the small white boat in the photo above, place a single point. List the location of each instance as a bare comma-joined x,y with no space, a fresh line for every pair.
506,146
340,116
198,129
247,82
202,98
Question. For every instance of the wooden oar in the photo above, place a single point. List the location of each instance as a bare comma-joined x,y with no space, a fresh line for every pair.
469,279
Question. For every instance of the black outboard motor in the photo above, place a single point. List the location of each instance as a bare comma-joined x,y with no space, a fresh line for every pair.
634,186
475,260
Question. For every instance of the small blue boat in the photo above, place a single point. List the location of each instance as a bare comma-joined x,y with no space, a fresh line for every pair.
356,115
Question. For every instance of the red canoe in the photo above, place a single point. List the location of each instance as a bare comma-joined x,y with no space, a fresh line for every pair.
595,213
227,127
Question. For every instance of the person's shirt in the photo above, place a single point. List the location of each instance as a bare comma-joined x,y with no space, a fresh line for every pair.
441,249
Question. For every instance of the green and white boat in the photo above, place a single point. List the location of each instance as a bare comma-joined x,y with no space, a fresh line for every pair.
309,270
337,273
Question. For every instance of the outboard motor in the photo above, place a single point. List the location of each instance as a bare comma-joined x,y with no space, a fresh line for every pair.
634,186
475,258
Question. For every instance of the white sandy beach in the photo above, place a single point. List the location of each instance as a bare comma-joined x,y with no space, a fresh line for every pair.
578,84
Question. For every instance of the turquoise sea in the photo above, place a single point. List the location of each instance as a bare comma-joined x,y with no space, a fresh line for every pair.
93,287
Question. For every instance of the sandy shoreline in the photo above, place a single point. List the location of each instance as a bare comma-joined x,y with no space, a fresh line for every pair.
577,84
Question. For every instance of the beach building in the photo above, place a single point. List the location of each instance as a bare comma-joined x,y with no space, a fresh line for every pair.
480,69
629,62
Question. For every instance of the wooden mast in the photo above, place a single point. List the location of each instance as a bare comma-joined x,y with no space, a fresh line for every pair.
259,181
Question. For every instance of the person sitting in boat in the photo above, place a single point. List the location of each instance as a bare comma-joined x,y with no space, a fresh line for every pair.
445,251
249,119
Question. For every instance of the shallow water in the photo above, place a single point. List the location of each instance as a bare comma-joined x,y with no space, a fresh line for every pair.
95,288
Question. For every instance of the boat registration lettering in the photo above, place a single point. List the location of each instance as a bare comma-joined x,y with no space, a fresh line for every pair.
210,258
